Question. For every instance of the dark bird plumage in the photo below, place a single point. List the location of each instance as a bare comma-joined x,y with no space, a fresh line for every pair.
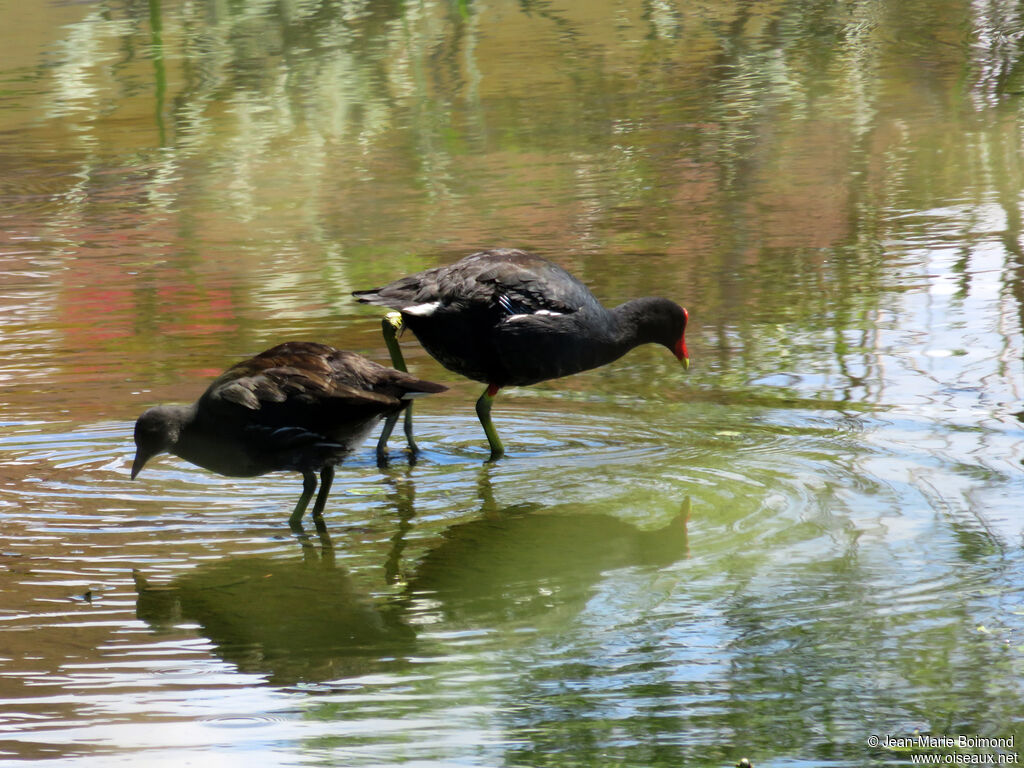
508,318
299,406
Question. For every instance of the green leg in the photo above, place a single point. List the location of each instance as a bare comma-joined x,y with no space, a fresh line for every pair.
308,486
413,448
382,443
391,326
483,412
326,480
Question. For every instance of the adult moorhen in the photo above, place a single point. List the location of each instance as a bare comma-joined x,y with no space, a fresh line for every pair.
509,318
299,406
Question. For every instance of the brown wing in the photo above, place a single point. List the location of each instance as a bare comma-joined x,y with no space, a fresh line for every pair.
305,374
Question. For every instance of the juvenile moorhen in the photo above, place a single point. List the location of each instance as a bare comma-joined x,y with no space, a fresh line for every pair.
508,318
299,406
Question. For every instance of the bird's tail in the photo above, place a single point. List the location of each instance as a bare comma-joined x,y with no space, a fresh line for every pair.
371,296
382,297
398,295
420,388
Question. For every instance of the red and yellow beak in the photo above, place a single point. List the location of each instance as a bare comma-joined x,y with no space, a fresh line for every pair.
681,354
680,348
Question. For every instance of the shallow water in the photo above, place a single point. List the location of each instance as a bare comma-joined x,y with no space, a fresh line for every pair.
811,538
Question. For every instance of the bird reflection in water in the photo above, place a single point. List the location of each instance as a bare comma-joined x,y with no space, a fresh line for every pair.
517,562
306,619
293,619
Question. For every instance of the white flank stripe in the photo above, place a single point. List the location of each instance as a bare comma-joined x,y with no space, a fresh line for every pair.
422,310
547,312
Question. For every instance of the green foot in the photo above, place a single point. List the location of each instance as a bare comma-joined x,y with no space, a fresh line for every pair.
483,412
